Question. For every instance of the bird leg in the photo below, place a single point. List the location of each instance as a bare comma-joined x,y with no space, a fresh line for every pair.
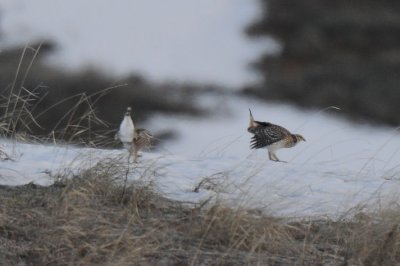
133,151
135,155
272,156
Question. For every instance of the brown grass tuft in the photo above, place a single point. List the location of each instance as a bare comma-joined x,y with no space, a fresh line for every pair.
94,218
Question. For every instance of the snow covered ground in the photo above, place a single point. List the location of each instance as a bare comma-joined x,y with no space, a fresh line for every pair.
341,164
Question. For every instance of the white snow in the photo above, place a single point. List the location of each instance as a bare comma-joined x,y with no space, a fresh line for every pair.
340,166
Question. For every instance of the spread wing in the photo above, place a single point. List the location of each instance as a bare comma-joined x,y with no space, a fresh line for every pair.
143,138
267,135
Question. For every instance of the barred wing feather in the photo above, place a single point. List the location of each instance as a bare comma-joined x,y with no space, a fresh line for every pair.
143,138
265,136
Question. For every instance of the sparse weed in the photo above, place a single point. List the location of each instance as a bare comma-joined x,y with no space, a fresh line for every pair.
38,101
98,216
93,218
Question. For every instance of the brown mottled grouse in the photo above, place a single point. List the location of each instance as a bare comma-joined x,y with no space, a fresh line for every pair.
272,137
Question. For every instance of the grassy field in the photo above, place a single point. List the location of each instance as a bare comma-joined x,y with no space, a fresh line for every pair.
96,218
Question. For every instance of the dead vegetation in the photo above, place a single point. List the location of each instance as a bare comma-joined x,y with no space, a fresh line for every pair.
85,221
97,218
40,101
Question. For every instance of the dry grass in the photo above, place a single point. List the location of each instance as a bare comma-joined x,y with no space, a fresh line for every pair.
28,114
85,221
96,218
84,108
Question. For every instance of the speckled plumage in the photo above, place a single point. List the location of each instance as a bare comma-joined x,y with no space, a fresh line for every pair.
142,140
271,136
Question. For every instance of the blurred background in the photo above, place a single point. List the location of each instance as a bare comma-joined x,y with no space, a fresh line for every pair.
78,64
